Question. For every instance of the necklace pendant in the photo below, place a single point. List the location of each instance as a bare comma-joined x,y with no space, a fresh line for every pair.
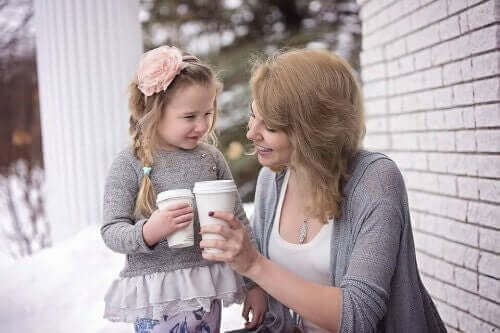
303,232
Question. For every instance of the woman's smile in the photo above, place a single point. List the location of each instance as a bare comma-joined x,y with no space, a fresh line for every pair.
263,151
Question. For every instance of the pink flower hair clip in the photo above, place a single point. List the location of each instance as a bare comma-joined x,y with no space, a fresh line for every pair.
158,68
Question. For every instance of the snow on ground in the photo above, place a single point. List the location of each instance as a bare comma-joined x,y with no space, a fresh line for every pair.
5,260
61,289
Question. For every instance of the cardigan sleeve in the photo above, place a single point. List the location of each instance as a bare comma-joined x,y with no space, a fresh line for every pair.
377,219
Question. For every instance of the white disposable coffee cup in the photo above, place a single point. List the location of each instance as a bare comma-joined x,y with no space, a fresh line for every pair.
214,195
183,237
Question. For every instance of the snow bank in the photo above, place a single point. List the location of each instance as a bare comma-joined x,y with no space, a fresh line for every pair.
61,289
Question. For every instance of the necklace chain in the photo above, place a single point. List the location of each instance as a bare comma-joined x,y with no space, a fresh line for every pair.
303,229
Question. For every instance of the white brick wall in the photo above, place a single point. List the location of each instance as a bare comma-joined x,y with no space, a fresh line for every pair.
431,78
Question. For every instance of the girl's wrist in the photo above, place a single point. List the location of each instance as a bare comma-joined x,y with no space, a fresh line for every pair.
147,235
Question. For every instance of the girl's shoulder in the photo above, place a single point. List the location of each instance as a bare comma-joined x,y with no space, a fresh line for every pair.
124,160
125,156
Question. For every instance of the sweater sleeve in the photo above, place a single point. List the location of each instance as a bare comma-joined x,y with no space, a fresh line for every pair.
378,217
120,231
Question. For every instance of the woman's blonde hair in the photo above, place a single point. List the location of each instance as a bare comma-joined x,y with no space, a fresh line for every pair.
314,98
146,112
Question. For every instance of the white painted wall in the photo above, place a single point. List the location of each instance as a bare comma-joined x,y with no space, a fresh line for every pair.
87,52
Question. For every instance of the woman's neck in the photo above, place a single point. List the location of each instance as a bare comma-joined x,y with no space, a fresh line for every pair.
294,182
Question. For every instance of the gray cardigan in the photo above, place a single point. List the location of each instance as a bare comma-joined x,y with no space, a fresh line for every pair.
122,232
372,251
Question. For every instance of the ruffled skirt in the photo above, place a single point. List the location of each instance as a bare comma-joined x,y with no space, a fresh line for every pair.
167,293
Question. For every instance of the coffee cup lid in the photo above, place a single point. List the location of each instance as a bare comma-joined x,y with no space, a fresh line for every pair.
214,186
180,193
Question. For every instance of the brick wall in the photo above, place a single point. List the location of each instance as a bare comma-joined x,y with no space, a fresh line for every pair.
430,72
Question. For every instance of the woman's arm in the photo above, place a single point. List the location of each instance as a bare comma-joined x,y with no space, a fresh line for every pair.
378,217
317,303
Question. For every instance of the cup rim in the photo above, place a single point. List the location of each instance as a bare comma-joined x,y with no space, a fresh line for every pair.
214,186
177,193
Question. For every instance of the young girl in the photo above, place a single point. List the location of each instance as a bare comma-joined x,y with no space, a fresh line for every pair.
173,110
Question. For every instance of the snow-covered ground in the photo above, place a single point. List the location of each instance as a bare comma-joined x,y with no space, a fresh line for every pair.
61,289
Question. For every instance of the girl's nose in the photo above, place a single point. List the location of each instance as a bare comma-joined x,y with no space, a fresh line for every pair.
202,125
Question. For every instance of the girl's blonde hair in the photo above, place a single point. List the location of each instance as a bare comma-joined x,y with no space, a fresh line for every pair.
146,112
314,98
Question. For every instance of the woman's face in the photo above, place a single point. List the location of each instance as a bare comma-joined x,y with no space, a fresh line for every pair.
273,146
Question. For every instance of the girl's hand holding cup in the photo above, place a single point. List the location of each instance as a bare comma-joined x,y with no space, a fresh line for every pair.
166,221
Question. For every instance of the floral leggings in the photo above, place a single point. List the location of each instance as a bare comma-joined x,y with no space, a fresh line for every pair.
197,321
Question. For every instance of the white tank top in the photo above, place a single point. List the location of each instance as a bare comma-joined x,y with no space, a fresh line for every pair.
311,260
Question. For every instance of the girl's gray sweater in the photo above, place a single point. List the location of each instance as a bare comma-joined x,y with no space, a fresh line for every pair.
171,170
372,251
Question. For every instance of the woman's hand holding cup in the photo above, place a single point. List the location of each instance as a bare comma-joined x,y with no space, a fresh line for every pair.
237,250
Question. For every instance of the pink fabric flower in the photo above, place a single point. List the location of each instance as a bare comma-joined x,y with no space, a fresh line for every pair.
158,68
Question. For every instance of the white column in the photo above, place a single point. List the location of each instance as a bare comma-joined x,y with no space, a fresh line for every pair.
87,52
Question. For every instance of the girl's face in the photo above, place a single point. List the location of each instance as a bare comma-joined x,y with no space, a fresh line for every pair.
273,147
187,117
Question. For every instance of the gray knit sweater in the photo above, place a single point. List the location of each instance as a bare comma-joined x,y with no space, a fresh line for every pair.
171,170
372,252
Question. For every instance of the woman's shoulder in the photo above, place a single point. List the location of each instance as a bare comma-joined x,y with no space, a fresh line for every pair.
366,159
374,174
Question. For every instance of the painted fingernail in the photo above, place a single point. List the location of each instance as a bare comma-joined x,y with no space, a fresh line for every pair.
210,213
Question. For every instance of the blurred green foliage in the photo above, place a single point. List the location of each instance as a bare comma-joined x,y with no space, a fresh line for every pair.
228,33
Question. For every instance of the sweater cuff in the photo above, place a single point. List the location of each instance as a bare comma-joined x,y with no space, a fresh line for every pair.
139,238
249,284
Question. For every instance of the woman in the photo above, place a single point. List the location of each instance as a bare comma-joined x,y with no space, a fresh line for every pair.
331,220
